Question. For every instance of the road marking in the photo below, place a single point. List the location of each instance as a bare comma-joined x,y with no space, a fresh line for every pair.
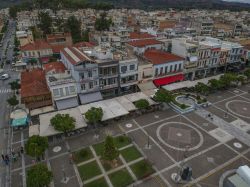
7,90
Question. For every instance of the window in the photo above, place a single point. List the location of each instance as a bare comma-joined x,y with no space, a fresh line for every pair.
95,83
82,75
90,85
61,92
67,90
161,70
175,67
132,67
82,86
72,89
166,69
123,69
56,92
179,67
89,74
156,71
170,69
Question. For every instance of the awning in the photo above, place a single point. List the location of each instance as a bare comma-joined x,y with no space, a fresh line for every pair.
146,86
67,103
90,97
19,122
168,80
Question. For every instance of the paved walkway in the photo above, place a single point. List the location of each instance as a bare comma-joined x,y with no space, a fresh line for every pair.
229,128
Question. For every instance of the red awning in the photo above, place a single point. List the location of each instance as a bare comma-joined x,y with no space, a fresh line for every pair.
168,80
44,59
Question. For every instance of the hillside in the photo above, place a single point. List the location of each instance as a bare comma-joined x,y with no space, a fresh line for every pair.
155,4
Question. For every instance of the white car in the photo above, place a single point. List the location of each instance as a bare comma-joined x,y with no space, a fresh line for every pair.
5,76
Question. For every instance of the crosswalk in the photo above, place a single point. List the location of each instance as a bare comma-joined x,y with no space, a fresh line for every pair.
2,91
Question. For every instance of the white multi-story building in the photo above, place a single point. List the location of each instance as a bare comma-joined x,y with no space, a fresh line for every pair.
84,70
62,85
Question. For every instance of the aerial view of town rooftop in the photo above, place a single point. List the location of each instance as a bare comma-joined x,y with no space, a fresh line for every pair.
118,93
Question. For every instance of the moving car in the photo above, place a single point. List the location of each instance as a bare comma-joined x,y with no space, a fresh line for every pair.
5,76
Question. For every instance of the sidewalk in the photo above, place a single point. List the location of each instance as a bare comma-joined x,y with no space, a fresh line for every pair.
229,128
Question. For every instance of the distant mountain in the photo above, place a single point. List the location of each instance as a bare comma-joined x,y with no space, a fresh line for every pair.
160,4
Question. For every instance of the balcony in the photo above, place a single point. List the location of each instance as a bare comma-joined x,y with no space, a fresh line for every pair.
108,75
168,73
110,86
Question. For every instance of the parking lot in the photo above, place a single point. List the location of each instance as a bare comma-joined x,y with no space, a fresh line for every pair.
210,144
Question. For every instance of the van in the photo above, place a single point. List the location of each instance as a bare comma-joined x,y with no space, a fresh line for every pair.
5,76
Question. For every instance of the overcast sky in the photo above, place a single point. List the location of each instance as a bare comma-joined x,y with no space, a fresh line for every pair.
243,1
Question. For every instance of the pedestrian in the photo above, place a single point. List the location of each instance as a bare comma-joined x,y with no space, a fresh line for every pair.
22,150
7,158
3,157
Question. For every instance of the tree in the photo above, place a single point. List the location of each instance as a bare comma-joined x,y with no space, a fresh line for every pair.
247,73
85,36
39,176
36,146
215,84
14,85
45,22
63,122
74,26
142,104
110,152
201,88
12,101
94,115
163,96
102,23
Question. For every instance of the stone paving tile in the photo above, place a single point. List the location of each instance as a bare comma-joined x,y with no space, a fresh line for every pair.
57,165
221,113
203,123
63,149
219,95
156,181
154,116
16,179
210,160
237,145
155,156
16,137
206,141
213,180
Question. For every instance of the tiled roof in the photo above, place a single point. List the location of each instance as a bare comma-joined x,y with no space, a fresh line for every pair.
84,44
57,48
33,83
247,47
54,37
143,43
141,35
160,57
38,44
57,67
74,55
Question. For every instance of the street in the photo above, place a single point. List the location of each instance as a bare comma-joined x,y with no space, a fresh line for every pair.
5,92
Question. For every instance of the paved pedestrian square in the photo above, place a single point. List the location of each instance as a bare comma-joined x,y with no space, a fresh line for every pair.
213,141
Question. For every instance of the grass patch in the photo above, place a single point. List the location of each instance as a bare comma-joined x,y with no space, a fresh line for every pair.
99,182
82,155
130,154
121,178
89,170
108,165
142,169
99,148
119,141
122,141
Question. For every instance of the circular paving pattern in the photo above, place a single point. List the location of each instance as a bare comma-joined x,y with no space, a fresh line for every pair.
129,125
180,134
57,149
239,108
237,145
